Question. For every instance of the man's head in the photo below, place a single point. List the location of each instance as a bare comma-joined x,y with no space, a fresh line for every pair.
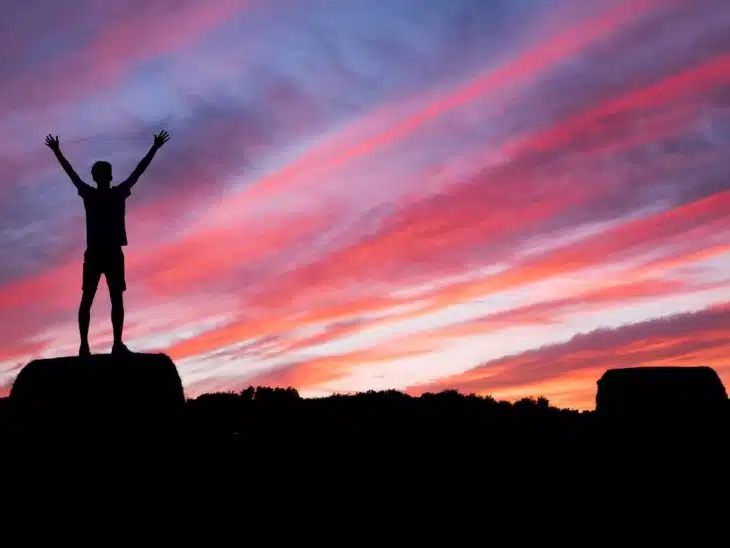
101,172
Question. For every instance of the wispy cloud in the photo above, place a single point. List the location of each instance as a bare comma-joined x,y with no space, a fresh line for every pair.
488,196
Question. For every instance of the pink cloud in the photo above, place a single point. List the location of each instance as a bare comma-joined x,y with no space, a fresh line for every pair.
135,35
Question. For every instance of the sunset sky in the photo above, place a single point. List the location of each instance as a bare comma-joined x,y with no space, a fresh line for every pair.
502,197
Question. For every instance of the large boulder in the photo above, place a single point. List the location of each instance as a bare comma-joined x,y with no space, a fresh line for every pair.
661,392
102,399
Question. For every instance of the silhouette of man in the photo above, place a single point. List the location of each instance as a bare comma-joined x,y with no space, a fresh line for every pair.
105,236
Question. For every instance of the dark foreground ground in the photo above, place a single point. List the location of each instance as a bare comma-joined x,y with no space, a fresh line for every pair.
111,425
373,463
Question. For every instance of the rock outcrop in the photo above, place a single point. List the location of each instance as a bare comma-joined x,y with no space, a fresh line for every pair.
656,392
102,399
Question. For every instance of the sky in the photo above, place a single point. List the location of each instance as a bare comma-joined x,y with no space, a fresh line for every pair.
502,197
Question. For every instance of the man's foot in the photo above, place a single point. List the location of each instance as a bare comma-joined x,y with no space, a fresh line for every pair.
84,350
120,348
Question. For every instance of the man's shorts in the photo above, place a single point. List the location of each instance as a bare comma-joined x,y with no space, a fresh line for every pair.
109,262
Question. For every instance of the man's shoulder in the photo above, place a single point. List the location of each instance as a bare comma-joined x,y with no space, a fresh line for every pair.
86,191
122,189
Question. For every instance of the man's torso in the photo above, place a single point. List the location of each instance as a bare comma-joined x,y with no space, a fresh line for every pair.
105,217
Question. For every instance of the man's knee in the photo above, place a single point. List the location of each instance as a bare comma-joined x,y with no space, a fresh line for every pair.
87,298
117,298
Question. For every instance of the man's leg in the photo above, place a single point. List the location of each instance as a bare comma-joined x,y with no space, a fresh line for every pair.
87,299
116,282
91,275
117,298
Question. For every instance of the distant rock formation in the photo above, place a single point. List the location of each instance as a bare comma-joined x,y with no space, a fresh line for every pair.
657,392
102,399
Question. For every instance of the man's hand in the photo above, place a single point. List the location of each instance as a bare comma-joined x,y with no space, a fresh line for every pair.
161,138
52,142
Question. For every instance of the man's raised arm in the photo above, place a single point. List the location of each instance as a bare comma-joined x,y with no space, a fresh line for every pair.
159,140
53,144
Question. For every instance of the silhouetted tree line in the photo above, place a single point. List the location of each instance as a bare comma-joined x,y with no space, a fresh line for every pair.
264,413
395,422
